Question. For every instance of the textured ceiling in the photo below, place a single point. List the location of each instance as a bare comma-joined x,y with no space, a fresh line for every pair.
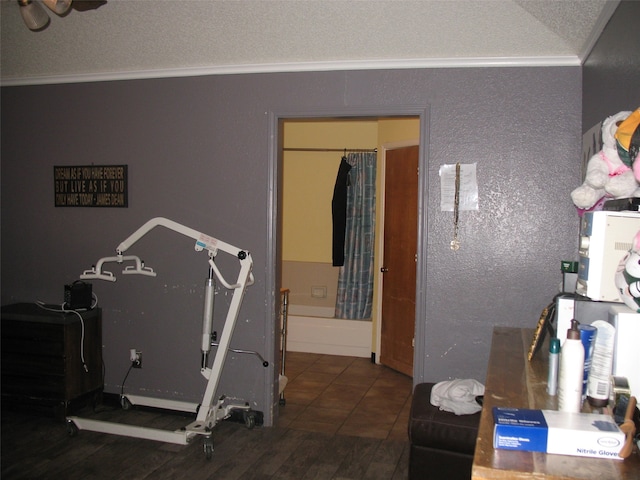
143,38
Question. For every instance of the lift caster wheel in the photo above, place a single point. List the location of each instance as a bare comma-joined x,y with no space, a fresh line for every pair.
249,420
208,448
72,428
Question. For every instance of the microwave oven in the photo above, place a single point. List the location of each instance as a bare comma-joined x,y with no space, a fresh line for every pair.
605,238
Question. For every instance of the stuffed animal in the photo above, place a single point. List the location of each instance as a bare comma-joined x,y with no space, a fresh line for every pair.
627,276
628,141
607,175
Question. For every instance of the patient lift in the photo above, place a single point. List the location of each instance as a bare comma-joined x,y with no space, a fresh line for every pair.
211,411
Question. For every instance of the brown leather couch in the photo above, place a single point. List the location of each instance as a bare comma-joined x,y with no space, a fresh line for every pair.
442,443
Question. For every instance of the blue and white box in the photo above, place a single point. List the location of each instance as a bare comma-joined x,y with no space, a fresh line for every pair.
550,431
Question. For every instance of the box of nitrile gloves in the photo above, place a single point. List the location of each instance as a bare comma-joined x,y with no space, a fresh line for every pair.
580,434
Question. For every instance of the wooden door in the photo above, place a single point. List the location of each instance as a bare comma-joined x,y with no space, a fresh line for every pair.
399,264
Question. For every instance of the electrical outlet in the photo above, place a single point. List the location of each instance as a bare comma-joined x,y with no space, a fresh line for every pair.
135,356
137,363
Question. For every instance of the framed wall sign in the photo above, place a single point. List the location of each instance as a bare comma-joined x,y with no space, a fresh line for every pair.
91,186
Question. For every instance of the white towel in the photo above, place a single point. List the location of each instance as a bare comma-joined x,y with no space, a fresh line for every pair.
457,396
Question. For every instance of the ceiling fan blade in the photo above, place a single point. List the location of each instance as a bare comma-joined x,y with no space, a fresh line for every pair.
84,5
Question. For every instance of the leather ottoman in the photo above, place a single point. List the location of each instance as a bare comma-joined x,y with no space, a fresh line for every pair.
442,443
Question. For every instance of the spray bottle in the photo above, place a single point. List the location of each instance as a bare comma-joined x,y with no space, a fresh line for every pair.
571,371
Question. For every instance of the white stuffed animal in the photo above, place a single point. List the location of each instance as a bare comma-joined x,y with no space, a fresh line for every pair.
627,276
607,175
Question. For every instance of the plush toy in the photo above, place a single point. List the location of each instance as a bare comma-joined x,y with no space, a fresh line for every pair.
627,276
628,141
607,175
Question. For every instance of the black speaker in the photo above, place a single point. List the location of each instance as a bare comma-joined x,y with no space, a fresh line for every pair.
78,296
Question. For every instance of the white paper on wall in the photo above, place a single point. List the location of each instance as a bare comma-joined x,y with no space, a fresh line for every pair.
468,199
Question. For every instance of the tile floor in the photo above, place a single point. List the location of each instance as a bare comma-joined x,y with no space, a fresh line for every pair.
345,396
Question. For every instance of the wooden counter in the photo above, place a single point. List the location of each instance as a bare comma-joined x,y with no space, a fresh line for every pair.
513,381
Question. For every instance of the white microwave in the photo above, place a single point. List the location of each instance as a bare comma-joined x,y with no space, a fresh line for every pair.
605,238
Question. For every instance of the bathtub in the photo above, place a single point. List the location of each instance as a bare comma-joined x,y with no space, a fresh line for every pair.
315,330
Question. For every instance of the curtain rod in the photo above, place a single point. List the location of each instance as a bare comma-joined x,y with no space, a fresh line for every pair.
375,150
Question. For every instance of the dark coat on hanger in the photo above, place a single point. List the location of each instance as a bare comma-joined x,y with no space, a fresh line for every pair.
339,211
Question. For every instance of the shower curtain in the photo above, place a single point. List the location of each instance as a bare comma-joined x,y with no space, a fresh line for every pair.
355,279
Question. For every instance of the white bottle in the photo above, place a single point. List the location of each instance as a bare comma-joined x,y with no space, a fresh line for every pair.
571,371
599,381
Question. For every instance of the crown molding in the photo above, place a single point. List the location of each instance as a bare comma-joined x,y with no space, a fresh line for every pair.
479,62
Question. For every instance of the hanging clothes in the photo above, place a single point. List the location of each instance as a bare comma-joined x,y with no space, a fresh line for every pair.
339,211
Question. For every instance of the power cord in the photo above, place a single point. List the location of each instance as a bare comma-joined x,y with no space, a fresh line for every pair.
84,364
62,309
125,380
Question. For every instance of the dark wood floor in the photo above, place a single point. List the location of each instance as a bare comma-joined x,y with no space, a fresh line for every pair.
36,446
40,448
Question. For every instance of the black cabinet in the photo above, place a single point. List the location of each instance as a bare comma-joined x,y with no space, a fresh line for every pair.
42,356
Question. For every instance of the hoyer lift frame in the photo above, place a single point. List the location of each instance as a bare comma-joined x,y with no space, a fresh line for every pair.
209,412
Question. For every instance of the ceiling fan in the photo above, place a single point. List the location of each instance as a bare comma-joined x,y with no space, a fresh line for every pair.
36,19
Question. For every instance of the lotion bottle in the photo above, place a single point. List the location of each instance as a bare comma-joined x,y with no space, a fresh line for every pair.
599,381
571,371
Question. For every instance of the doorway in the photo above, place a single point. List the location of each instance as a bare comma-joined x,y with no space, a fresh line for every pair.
311,150
273,280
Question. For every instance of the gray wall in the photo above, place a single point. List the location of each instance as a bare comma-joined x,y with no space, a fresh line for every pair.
611,73
199,152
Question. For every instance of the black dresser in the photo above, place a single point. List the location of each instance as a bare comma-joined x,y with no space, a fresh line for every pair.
42,357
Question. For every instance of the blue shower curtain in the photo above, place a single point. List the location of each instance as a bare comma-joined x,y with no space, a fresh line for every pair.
355,280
